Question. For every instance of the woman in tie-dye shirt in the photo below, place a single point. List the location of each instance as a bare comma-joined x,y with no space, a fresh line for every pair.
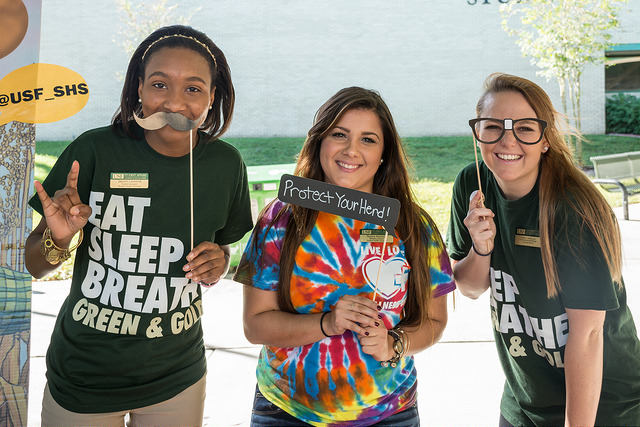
332,354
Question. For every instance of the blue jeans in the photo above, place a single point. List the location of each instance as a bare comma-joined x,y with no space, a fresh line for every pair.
266,414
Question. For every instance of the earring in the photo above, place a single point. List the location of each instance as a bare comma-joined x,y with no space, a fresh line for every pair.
210,106
381,160
140,100
544,149
478,143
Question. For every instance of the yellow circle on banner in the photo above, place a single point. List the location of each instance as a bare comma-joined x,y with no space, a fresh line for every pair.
41,93
14,21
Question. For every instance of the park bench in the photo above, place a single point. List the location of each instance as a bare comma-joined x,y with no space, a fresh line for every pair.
612,169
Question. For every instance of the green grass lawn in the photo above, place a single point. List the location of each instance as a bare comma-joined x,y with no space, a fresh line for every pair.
435,162
434,158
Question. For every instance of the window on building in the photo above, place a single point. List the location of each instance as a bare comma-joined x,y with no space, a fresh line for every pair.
622,74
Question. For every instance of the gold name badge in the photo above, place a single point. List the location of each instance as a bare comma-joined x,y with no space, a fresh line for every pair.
129,180
374,236
526,237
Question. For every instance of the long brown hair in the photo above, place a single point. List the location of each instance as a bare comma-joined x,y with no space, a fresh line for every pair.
219,117
391,180
562,183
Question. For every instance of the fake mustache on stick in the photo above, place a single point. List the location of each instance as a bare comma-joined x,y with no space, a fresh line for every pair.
175,120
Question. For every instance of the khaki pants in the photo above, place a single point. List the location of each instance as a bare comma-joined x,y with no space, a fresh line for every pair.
185,409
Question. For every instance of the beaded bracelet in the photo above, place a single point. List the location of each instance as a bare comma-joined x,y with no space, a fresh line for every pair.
476,251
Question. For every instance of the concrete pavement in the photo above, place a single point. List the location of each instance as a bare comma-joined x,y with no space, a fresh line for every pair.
460,379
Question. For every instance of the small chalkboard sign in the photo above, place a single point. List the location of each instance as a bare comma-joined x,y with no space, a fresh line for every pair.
359,205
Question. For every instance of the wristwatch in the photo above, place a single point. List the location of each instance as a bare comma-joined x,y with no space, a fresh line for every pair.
398,346
54,254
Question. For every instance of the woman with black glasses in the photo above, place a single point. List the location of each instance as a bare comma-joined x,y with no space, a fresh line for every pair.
542,237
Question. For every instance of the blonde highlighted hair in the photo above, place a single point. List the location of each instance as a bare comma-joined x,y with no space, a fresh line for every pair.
561,183
415,227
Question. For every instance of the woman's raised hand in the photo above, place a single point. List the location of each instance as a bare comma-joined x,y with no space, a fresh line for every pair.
65,213
479,222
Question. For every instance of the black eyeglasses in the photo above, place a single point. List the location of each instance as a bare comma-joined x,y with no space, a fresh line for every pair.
490,131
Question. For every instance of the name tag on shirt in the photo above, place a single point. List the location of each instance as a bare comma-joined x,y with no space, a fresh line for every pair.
526,237
374,236
129,180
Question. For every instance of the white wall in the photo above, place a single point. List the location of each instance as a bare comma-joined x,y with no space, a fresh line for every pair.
428,59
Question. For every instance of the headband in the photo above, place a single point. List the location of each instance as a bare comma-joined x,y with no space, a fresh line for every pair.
184,37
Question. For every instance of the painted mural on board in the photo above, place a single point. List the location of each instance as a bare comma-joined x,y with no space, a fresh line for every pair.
19,46
30,93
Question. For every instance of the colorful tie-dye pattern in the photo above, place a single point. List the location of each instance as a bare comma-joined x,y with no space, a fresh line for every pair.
332,382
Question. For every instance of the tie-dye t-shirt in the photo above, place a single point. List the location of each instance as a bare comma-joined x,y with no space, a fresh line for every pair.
332,382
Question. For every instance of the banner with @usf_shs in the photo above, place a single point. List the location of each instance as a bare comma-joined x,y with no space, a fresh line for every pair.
29,93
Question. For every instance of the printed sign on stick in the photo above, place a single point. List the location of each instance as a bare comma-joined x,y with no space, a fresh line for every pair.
359,205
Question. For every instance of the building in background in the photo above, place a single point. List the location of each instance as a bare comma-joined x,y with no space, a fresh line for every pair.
624,77
428,59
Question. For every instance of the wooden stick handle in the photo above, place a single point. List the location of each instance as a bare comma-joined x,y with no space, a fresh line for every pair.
384,245
475,150
191,180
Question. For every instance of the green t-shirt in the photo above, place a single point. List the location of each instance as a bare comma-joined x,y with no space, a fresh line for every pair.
531,330
129,333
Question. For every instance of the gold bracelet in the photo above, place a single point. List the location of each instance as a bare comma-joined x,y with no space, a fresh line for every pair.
405,341
54,254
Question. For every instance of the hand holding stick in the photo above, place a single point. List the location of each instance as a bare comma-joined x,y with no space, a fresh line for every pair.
481,200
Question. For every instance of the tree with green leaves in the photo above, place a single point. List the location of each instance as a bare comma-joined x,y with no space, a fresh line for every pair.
562,37
141,18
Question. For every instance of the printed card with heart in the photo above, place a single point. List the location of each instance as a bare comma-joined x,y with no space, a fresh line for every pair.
394,273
